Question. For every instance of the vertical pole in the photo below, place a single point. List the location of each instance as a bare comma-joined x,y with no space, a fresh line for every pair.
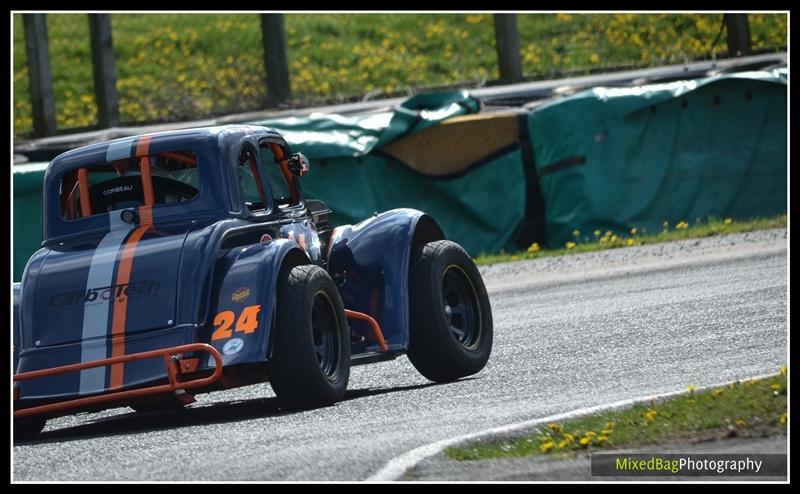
507,44
40,81
104,70
738,29
276,60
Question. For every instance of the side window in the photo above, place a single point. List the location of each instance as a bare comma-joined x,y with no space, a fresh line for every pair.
250,181
282,184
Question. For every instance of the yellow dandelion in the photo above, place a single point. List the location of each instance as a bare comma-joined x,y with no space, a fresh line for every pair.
650,415
609,233
630,242
783,419
692,388
514,258
534,248
591,434
609,425
718,392
602,439
740,423
545,447
682,225
570,245
597,233
776,387
783,370
633,231
584,441
554,427
563,444
568,437
606,432
728,221
576,233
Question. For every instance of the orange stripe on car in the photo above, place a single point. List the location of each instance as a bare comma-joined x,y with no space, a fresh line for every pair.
126,265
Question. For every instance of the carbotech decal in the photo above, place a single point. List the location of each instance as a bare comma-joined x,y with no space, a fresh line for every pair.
104,294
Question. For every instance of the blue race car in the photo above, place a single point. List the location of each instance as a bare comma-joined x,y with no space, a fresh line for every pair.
190,261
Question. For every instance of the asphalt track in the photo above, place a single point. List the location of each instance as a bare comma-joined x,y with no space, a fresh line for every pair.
570,332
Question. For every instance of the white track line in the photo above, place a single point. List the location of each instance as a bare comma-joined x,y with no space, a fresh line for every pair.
398,465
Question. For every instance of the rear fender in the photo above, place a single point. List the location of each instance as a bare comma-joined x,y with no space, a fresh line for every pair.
17,336
244,299
369,262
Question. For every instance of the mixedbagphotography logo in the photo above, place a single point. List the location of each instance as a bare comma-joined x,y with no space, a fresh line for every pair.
622,465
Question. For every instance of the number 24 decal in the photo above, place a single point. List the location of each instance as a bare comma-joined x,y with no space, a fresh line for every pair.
247,322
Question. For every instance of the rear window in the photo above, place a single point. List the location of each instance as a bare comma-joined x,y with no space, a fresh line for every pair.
98,189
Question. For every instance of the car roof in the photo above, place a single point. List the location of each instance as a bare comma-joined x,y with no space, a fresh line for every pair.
177,138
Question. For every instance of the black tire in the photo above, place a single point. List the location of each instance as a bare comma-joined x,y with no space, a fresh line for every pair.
451,319
26,428
311,357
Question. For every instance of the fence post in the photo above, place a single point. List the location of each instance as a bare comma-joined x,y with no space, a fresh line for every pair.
738,30
507,44
104,70
39,79
273,35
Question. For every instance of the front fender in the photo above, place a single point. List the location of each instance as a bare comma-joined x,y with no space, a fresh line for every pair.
246,288
369,262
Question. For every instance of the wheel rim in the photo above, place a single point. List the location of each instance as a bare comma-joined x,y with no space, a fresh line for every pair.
325,334
461,308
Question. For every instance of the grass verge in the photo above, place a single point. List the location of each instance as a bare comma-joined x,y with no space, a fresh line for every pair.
609,240
753,408
179,66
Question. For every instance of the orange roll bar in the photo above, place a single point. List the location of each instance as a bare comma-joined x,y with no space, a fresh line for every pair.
83,187
376,329
171,360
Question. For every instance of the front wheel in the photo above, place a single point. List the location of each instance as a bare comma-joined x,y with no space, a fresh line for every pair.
451,319
311,357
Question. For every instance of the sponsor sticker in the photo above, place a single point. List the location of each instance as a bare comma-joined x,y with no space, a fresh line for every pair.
240,294
234,345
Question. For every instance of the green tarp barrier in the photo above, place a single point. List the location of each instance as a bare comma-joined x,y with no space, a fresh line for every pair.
607,159
322,136
355,182
618,158
27,213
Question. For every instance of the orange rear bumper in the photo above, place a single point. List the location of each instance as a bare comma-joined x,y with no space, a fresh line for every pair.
172,361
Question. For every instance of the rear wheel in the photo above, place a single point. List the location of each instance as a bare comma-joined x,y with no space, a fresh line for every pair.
451,320
28,427
311,358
